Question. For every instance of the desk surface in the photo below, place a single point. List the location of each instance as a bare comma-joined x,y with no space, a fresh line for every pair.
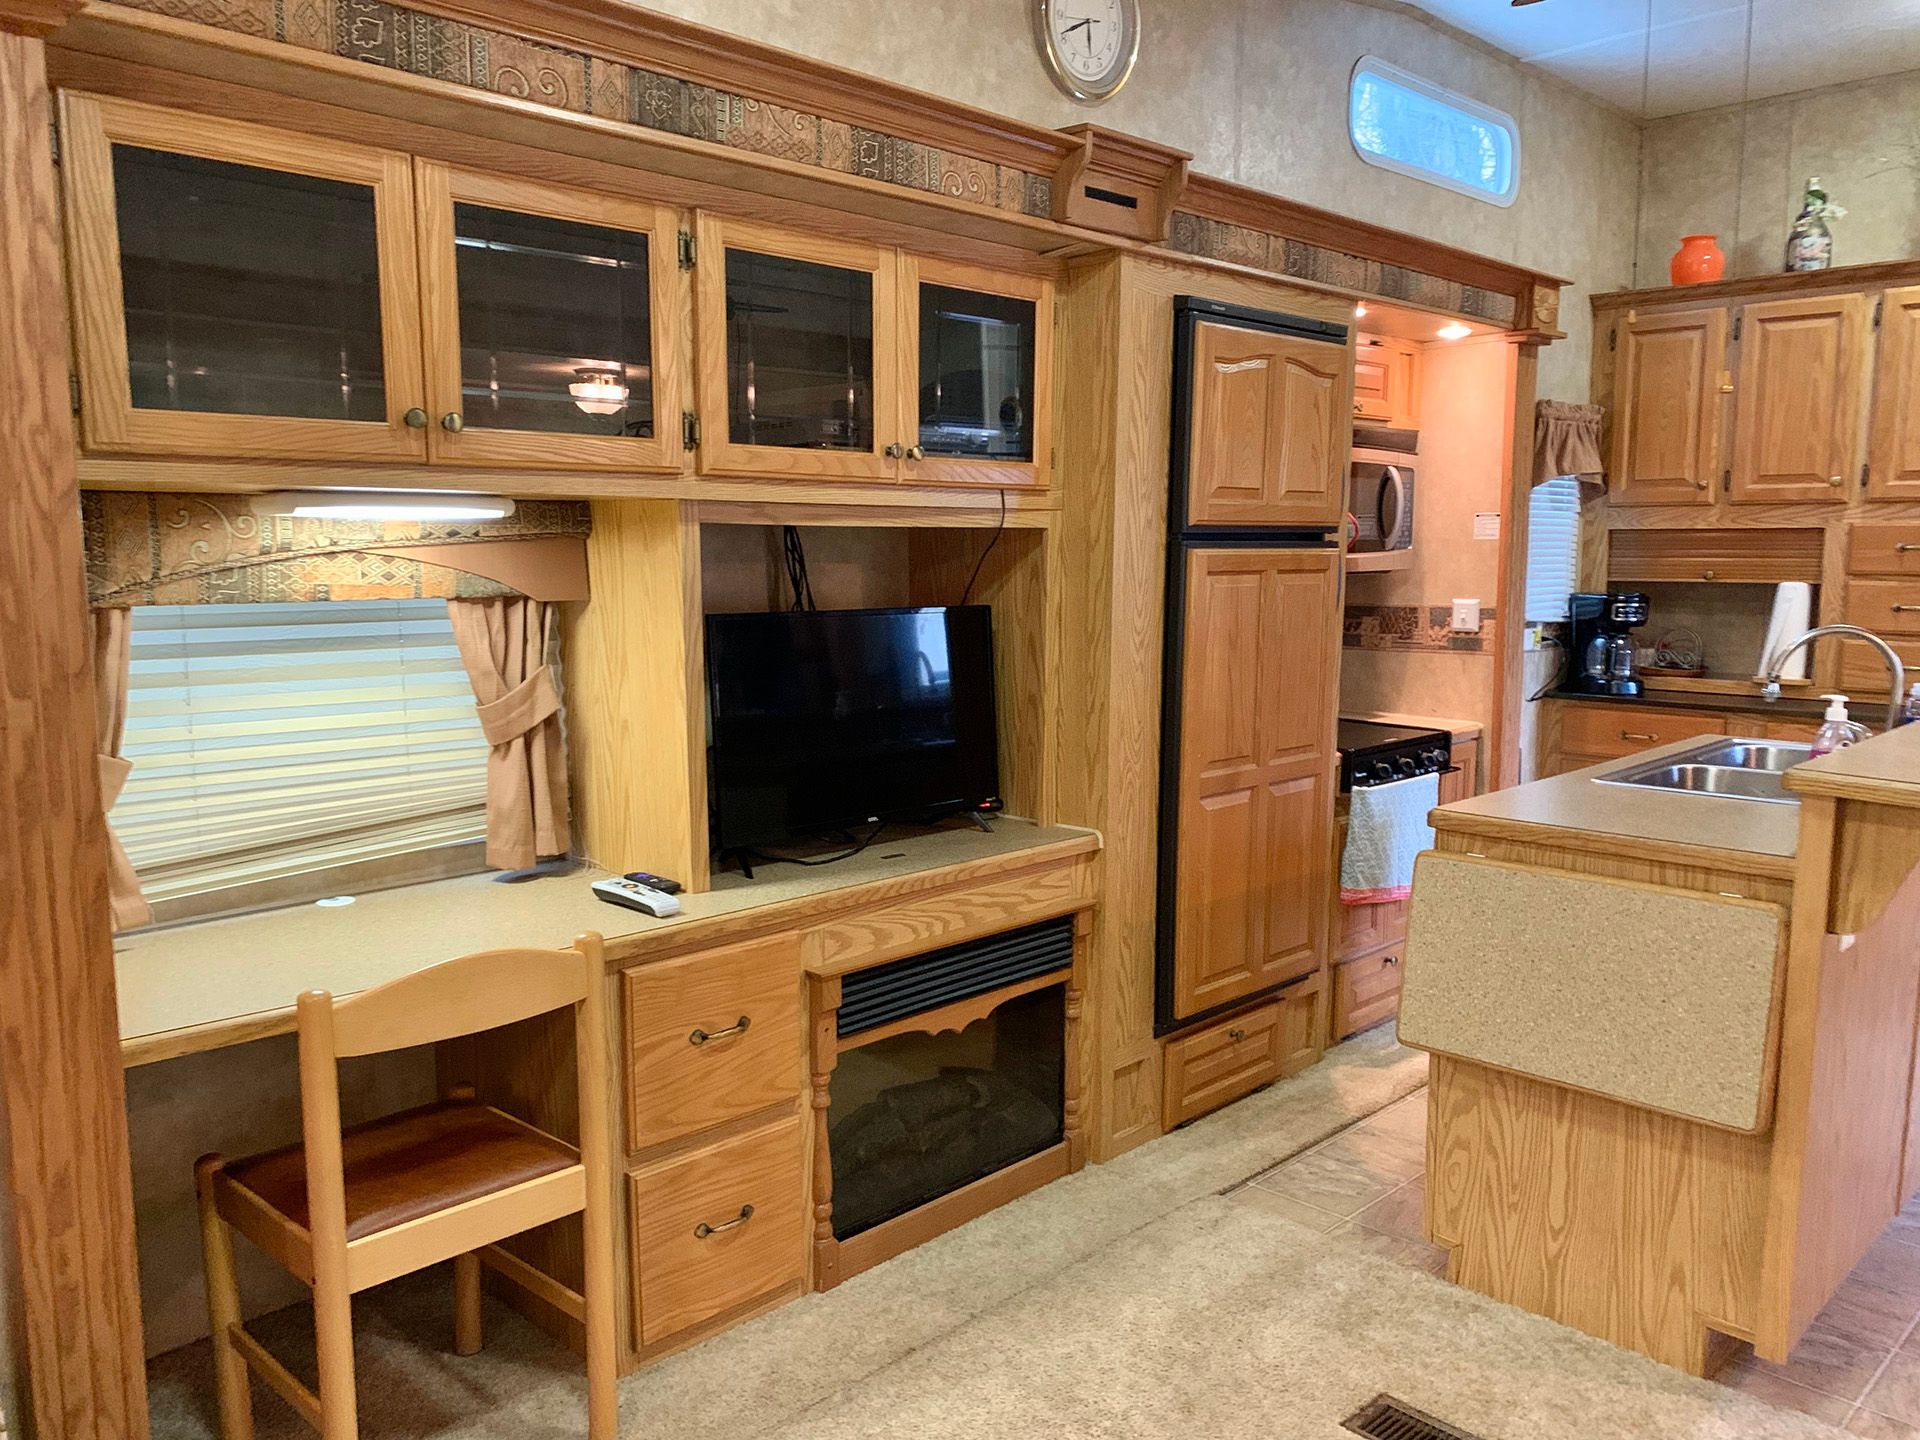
221,982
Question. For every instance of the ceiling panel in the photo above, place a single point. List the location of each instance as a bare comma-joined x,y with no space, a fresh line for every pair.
1668,57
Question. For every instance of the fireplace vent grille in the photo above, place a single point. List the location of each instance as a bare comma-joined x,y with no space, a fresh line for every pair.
876,997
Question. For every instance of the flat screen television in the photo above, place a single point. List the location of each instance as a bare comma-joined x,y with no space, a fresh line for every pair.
827,720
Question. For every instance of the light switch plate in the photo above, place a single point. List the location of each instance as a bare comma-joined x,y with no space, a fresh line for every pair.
1466,617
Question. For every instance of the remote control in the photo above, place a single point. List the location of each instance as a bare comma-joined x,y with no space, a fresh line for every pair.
654,882
636,896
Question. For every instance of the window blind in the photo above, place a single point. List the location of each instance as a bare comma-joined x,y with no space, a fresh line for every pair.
277,740
1553,547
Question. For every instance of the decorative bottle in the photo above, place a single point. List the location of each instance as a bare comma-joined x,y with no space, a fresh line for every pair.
1810,242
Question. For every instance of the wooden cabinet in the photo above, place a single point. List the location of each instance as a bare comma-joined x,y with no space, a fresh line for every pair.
711,1038
1719,555
1386,382
1221,1062
239,291
1668,373
1595,732
1893,461
1269,441
554,322
977,352
1366,991
715,1230
1255,771
1886,607
1797,399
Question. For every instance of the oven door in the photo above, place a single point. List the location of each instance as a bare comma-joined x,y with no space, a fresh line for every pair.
1382,497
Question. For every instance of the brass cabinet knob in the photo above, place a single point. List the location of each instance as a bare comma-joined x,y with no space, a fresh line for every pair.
452,423
1236,1035
1699,484
915,452
1391,960
1706,575
895,450
416,418
1835,480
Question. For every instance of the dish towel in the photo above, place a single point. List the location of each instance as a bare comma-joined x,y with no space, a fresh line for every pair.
1386,828
1792,617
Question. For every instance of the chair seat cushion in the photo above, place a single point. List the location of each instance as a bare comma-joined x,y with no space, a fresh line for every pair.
404,1166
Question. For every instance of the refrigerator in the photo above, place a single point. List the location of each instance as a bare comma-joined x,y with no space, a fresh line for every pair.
1261,435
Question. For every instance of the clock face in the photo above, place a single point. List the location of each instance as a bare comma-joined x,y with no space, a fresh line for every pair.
1089,45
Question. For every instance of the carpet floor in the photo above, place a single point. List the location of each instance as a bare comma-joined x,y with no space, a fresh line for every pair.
1133,1299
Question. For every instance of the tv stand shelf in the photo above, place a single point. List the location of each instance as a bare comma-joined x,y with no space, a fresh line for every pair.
213,983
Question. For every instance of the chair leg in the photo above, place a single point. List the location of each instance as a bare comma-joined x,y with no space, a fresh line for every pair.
333,1341
231,1381
468,1337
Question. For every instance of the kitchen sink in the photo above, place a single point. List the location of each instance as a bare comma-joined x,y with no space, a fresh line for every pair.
1735,769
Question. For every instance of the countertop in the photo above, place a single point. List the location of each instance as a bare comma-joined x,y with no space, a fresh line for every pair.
219,982
1785,708
1883,771
1763,836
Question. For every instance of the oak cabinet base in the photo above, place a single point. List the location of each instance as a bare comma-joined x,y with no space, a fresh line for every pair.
1366,991
1231,1058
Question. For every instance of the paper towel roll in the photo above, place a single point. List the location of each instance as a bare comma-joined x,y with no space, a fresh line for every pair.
1792,617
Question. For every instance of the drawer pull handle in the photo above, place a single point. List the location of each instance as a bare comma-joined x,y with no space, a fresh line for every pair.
701,1037
1236,1034
1906,609
1907,547
703,1230
1636,735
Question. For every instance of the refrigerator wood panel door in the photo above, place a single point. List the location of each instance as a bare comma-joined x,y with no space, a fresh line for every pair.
1269,434
1254,801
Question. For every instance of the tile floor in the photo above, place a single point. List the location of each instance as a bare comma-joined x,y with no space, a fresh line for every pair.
1858,1367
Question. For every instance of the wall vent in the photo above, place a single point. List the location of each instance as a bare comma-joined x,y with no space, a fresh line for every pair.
876,997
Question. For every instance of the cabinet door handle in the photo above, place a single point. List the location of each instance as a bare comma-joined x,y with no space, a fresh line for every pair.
1391,960
1706,575
916,452
701,1037
1906,547
895,450
1835,480
452,423
1699,484
1636,735
1906,609
1236,1035
416,418
703,1230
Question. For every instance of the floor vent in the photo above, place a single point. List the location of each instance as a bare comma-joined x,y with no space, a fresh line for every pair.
1385,1418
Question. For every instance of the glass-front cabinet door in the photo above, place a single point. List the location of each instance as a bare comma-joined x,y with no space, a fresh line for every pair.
554,319
240,292
798,346
978,348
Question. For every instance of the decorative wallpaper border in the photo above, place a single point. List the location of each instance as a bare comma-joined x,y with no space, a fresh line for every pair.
460,53
1414,629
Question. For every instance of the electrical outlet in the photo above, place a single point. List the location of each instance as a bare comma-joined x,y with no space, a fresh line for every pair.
1466,617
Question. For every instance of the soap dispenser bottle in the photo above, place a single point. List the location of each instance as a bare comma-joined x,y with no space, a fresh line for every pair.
1839,732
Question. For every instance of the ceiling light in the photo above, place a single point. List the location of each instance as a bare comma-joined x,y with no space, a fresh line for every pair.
599,392
380,505
1454,330
1358,311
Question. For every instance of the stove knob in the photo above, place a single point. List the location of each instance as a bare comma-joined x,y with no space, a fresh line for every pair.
1408,766
1435,759
1382,770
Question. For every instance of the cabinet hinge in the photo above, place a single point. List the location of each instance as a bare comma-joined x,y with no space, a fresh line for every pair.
1879,309
1738,321
1613,339
73,391
1866,471
689,429
53,131
1726,481
688,251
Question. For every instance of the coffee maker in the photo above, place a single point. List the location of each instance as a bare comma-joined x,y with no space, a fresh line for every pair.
1599,644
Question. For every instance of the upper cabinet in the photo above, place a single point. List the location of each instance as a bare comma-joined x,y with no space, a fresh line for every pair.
1797,399
1893,463
1386,382
554,321
239,291
1269,440
1668,378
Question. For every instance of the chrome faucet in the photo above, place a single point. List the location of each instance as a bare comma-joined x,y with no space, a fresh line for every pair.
1771,689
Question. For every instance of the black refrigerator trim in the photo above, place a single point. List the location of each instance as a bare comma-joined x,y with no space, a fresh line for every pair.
1183,539
1188,312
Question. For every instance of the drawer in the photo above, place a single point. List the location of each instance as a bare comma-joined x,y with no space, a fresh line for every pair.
1365,992
1863,675
685,1273
1886,607
1885,550
1606,732
1368,927
1229,1058
688,1065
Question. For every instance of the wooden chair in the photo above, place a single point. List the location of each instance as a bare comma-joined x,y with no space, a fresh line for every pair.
343,1212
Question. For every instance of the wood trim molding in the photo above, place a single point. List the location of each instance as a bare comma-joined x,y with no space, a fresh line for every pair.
36,19
1844,277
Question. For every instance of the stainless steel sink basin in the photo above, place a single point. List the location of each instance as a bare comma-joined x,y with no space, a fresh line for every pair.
1735,769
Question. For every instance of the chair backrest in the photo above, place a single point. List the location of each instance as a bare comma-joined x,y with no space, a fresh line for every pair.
482,991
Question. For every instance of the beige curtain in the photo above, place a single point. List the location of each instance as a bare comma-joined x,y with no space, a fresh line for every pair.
1566,441
503,644
112,650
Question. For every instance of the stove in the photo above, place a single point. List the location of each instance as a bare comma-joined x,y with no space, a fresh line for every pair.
1373,754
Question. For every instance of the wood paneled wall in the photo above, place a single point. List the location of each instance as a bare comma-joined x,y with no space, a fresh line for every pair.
75,1325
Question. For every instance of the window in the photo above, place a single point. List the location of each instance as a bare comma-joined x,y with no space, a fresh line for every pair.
1403,123
1553,547
278,748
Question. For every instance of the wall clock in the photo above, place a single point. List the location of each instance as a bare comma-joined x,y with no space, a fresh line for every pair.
1089,46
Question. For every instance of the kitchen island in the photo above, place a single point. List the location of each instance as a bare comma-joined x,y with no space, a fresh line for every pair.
1673,1034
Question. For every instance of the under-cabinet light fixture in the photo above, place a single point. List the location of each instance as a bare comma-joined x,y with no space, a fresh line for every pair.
599,392
380,505
1359,312
1454,330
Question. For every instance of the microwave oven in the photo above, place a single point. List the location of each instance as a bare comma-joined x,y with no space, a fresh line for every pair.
1381,495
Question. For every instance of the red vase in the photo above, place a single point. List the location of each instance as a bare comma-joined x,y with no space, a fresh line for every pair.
1697,261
